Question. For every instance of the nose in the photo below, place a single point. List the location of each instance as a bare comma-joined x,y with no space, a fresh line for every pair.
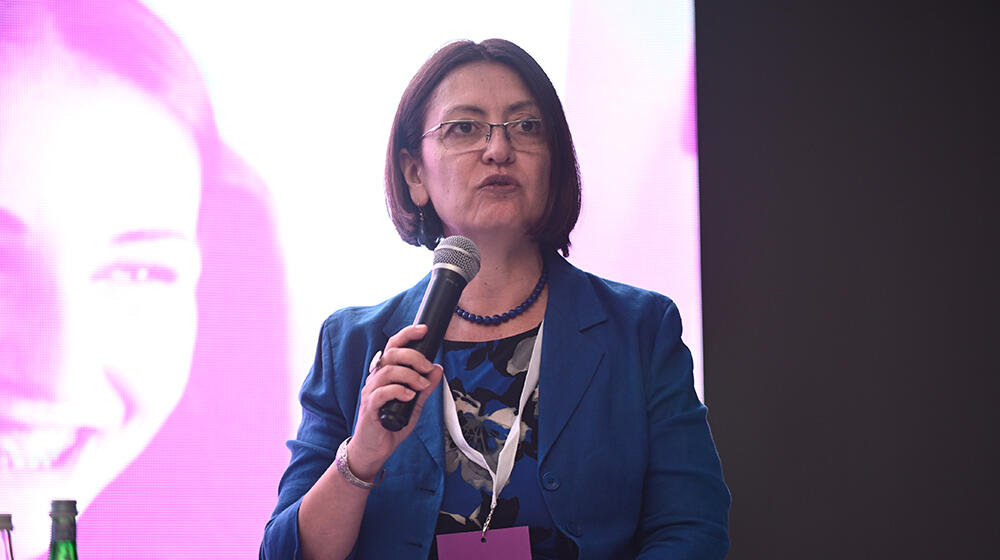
498,147
30,316
49,355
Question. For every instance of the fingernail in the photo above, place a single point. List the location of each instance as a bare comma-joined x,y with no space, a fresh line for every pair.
409,394
424,383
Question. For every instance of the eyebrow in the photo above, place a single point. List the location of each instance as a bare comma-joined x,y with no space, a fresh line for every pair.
518,106
146,235
522,105
11,226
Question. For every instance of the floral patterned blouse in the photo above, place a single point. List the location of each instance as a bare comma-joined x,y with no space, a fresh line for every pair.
486,379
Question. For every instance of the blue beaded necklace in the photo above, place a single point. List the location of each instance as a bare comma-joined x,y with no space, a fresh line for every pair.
498,319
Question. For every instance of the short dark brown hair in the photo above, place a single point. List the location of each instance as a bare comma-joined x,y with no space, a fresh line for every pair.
563,205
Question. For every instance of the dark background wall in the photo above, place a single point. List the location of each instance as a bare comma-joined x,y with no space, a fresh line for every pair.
848,197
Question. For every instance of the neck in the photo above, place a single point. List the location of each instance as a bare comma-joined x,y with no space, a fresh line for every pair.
507,275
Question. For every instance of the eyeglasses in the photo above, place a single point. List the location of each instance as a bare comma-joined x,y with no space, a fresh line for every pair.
469,135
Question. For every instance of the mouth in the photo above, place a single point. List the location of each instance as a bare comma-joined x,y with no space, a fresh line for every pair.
500,181
40,448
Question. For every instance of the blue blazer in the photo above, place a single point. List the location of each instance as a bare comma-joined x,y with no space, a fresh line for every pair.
626,462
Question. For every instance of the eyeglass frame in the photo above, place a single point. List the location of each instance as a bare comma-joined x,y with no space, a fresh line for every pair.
489,132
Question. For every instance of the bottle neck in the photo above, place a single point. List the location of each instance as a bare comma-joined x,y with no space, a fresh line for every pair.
63,545
8,545
62,550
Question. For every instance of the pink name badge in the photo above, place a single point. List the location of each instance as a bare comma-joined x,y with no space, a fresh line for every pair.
501,544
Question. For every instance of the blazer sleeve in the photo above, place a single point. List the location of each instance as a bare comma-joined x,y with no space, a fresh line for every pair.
685,507
325,424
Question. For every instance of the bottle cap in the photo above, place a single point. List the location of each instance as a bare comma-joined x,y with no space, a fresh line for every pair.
63,507
6,524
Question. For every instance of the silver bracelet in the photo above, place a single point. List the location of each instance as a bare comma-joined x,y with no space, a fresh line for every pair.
345,468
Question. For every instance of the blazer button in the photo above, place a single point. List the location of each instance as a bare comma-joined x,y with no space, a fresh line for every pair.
550,482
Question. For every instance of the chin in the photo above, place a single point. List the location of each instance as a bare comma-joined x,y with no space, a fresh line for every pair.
39,466
31,484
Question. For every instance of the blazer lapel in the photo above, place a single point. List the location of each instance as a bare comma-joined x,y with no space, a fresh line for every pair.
429,427
572,349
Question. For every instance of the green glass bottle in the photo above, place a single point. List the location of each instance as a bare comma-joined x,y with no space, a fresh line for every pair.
63,544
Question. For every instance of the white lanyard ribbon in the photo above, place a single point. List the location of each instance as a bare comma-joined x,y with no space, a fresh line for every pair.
505,462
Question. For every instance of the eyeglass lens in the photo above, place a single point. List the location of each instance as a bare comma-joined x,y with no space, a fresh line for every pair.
470,134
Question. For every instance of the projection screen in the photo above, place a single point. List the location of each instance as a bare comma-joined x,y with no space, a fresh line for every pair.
189,187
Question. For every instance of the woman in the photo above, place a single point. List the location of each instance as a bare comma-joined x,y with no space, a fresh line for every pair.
123,220
613,457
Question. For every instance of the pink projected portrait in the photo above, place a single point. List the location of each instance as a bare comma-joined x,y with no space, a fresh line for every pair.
141,296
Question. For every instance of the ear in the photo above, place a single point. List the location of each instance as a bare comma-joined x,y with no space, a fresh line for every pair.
411,168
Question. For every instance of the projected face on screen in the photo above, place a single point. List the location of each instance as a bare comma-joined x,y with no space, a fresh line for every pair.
99,196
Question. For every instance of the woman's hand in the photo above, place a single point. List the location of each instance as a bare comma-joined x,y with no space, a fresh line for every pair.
372,444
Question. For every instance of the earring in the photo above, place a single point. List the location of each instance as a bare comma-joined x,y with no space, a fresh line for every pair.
422,237
421,229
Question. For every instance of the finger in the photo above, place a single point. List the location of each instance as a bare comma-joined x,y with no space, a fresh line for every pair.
407,357
387,393
406,335
433,380
402,375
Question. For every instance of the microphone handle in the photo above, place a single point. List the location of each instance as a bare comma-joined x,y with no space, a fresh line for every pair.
436,310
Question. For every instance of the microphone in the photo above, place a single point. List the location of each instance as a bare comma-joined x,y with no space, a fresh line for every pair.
456,263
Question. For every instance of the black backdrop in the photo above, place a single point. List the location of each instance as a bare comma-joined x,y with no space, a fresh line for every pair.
847,156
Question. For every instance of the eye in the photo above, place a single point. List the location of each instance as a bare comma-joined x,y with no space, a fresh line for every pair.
460,129
528,127
125,273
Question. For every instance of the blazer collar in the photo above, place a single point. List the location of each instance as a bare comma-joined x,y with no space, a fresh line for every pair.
429,427
407,308
572,348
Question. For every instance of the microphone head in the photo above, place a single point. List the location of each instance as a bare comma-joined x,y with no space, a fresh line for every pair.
460,253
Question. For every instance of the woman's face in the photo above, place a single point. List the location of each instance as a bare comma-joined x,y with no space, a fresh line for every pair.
485,193
99,195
